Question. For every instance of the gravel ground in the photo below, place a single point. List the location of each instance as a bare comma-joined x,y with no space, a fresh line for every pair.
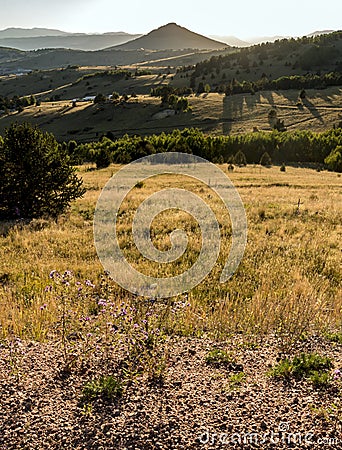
194,408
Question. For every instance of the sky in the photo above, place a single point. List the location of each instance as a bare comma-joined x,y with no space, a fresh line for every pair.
244,18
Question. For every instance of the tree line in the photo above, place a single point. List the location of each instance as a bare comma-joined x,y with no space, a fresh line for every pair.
309,81
16,102
38,178
295,147
311,52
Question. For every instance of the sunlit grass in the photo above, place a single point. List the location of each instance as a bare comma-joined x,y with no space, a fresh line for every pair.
288,283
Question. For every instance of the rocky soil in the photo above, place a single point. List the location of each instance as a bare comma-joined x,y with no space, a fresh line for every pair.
197,406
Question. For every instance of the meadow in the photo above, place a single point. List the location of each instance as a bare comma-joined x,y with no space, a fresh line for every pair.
288,284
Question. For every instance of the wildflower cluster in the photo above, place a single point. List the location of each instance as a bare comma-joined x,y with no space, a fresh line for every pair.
119,333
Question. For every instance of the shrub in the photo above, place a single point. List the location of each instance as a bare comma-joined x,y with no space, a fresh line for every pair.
106,387
312,366
302,94
37,177
265,160
236,380
279,125
103,158
335,337
334,160
100,98
240,159
217,358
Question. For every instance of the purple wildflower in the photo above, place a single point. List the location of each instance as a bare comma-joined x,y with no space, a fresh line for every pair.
89,283
337,374
54,274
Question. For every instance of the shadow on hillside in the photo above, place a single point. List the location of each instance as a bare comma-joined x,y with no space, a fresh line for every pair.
268,95
252,100
312,108
232,110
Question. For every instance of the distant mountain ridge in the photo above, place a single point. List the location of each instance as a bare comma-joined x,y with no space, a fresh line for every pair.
318,33
172,37
232,41
15,32
74,41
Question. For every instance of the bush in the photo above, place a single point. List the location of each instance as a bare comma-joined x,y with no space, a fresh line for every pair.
106,387
103,159
279,125
100,98
265,160
302,94
240,159
334,160
311,366
37,177
217,358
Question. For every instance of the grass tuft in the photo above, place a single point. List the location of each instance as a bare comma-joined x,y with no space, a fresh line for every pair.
107,387
310,366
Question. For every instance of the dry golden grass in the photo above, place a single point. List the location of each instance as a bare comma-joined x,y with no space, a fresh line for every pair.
289,282
213,112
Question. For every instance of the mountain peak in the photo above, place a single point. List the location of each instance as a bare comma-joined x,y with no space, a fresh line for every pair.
172,37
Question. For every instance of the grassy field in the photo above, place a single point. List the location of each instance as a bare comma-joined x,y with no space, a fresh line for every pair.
289,282
213,113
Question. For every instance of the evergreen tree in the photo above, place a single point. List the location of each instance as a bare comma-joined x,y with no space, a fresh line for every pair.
36,176
265,160
240,159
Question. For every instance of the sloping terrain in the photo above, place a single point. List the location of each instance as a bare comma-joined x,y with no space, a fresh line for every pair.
72,41
11,59
172,36
212,113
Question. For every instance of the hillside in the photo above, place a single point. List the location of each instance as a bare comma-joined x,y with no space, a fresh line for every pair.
8,54
11,59
249,68
172,36
68,41
213,113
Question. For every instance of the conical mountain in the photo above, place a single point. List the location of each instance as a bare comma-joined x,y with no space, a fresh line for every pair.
172,37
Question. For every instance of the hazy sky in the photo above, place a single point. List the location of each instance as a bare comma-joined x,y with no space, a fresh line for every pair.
244,18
